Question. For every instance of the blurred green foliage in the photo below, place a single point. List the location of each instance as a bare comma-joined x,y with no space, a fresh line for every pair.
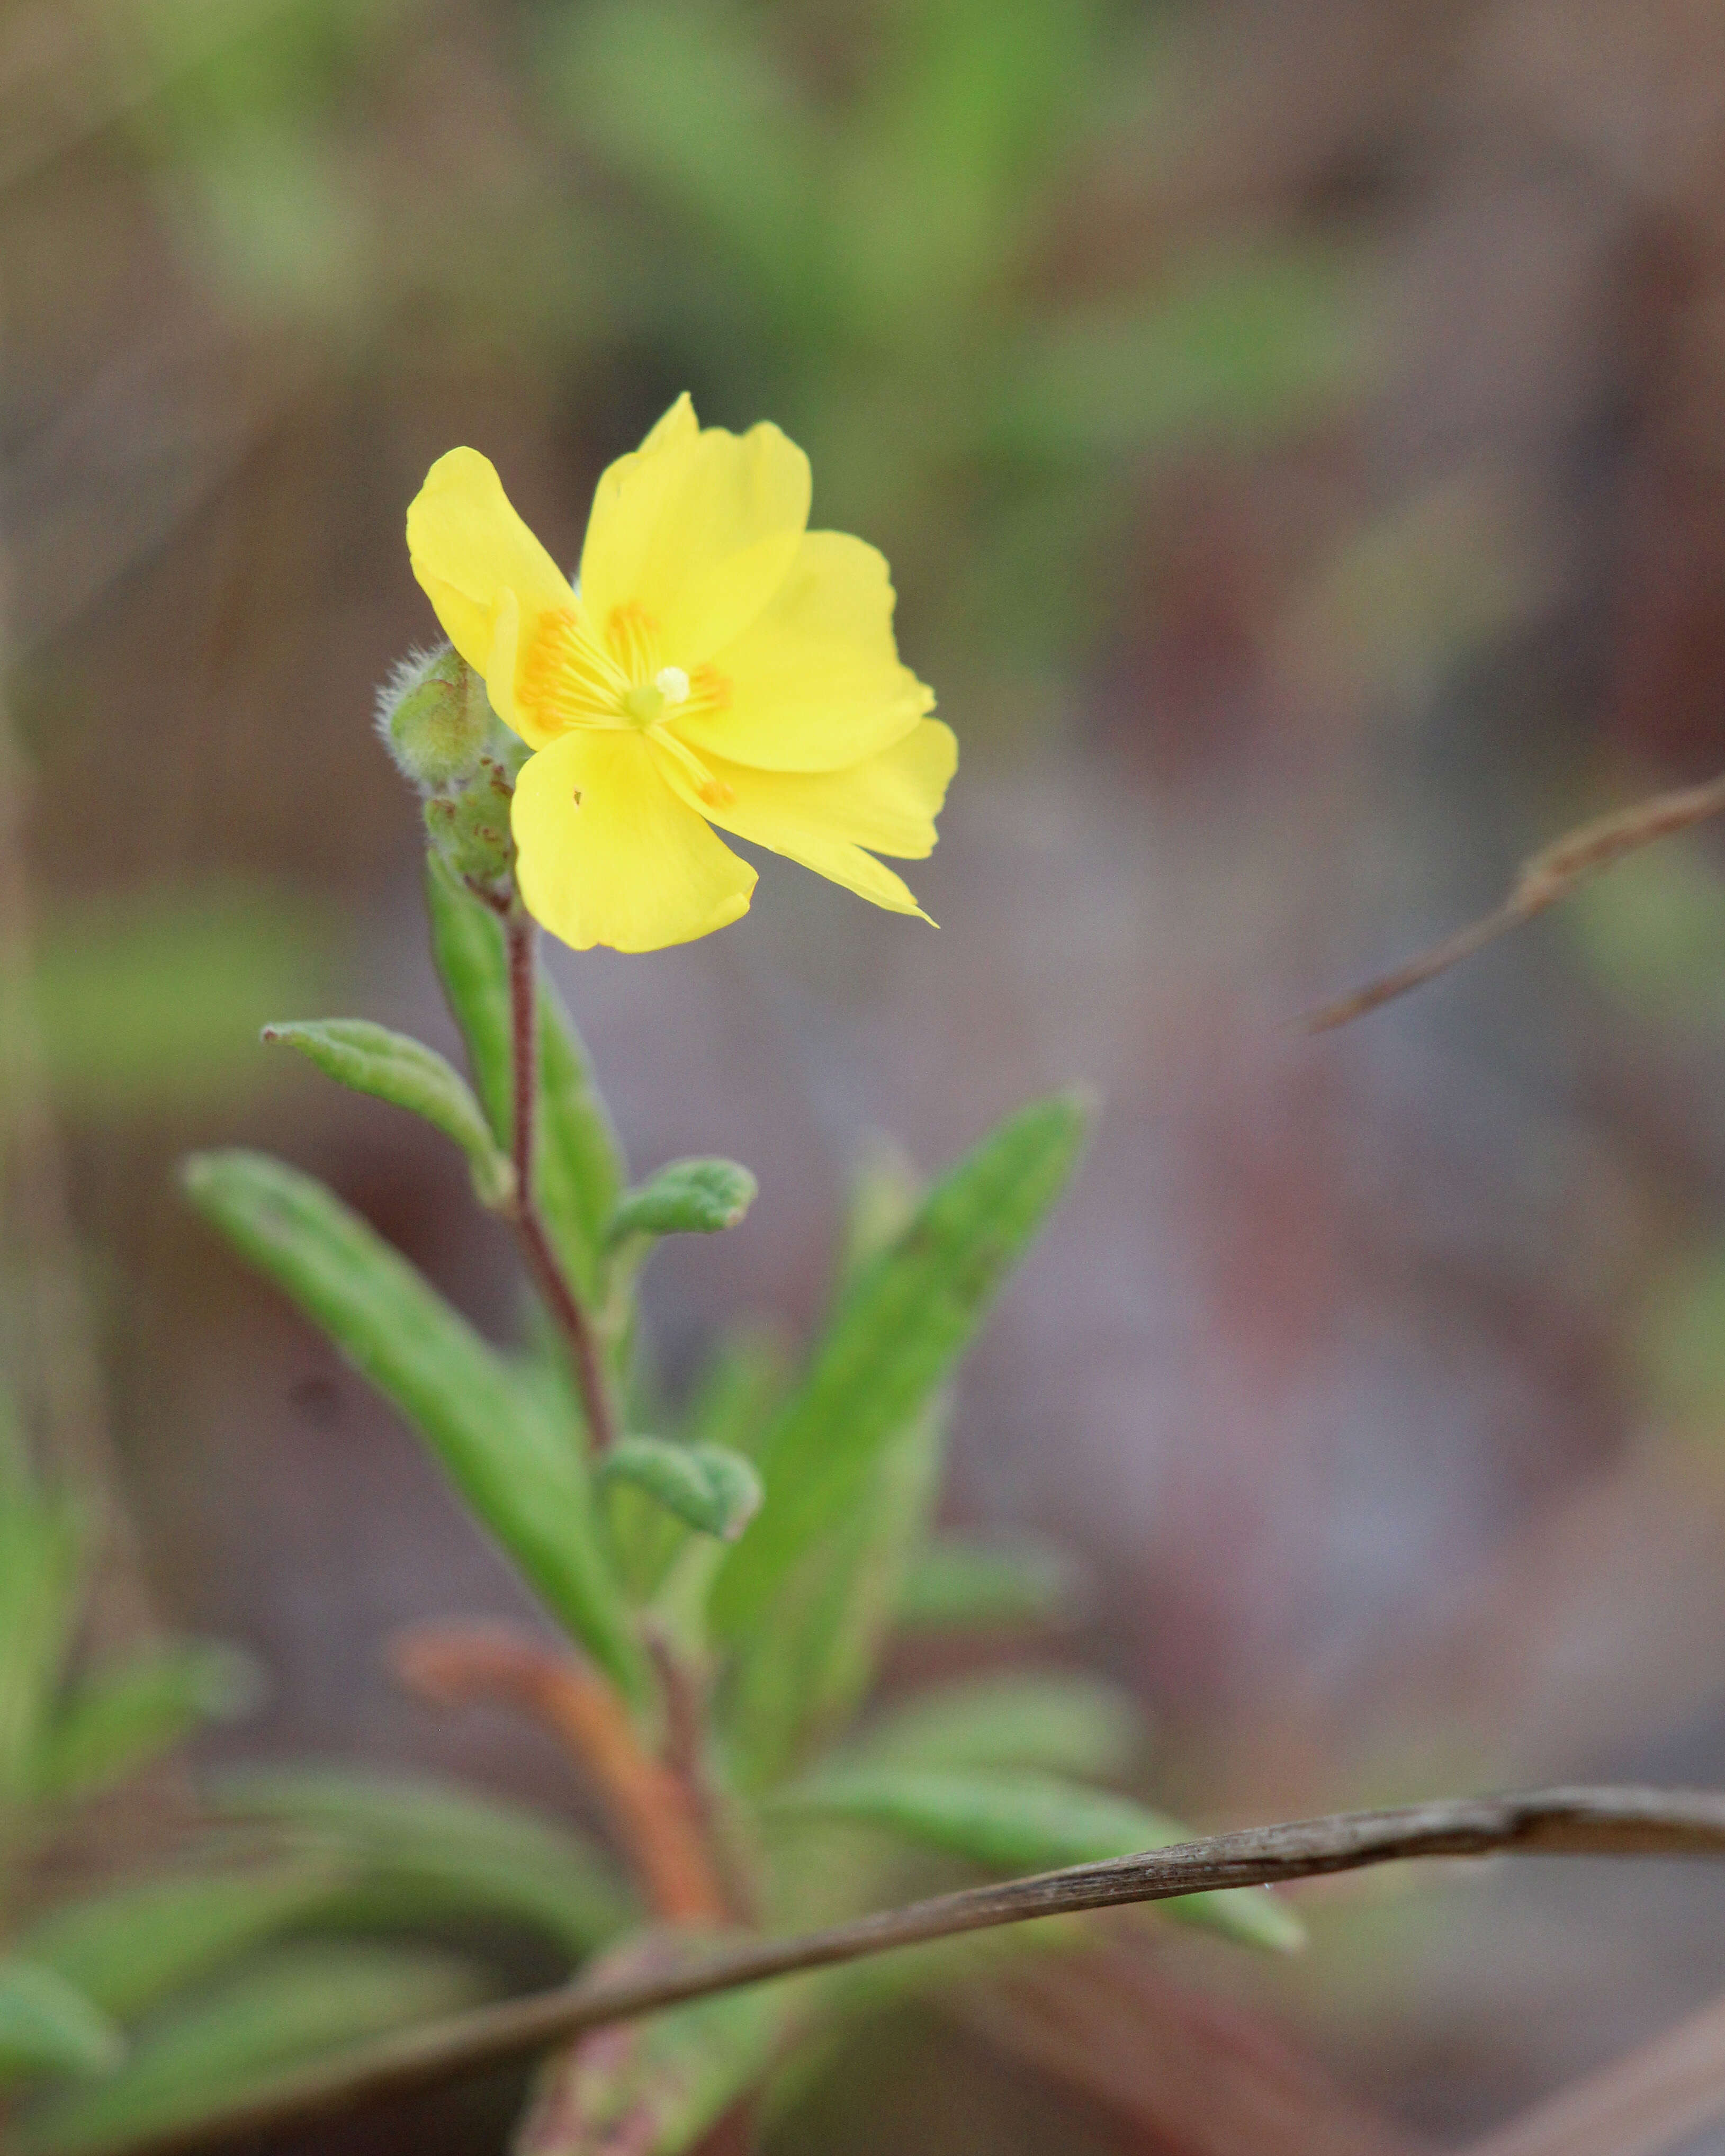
926,238
151,1005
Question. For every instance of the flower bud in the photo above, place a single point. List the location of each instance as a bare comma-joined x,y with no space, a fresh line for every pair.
435,719
468,826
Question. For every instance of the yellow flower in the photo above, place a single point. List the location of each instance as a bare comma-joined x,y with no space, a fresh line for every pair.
715,664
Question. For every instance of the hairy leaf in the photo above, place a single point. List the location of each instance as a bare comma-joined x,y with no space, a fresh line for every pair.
420,1851
47,2025
801,1674
1019,1823
905,1320
302,2002
686,1198
713,1491
394,1067
513,1467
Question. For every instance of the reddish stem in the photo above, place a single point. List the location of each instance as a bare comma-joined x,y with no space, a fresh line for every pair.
536,1247
652,1813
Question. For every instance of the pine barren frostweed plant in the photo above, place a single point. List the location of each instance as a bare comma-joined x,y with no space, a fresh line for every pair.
717,664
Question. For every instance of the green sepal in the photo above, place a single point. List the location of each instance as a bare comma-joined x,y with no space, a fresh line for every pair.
684,1198
1019,1823
907,1316
395,1067
48,2026
710,1488
579,1167
516,1470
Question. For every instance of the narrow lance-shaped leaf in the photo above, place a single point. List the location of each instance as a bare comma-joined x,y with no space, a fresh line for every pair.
40,1561
513,1468
120,1718
906,1319
394,1067
48,2026
419,1852
1019,1823
961,1583
579,1168
714,1491
686,1198
801,1674
234,2043
1060,1721
128,1948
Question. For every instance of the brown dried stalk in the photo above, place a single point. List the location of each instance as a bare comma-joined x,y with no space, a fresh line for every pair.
1550,874
1619,1822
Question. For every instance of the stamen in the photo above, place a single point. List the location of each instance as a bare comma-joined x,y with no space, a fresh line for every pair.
713,791
566,678
633,635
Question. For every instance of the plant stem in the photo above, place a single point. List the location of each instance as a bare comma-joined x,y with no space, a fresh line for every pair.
1607,1822
542,1262
654,1814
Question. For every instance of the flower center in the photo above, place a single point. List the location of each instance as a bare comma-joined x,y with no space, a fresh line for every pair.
644,704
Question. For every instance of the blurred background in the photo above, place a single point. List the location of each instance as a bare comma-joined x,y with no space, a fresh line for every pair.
1297,429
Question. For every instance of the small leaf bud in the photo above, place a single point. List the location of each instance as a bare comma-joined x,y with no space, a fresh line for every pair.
434,718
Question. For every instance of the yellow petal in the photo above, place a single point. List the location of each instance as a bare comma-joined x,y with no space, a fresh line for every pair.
697,528
814,682
486,575
824,818
609,854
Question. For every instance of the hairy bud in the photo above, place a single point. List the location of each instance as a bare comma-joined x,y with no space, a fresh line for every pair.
435,719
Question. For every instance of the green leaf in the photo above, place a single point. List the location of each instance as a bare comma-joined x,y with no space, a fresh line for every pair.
654,2087
120,1719
1060,1721
713,1491
801,1674
579,1168
47,2025
418,1852
959,1583
394,1067
40,1569
907,1317
686,1198
1021,1823
517,1471
129,1948
304,2002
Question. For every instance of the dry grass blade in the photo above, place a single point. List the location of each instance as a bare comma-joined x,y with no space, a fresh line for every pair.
1574,1822
1548,876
